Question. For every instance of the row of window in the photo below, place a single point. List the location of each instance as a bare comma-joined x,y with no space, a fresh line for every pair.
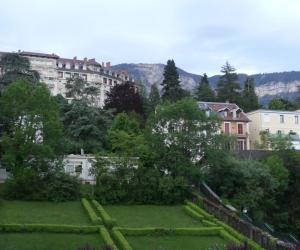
227,128
267,118
279,132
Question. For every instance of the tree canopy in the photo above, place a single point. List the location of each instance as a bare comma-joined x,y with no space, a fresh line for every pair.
249,98
203,91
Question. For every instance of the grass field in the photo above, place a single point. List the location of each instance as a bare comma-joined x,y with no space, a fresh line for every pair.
43,212
47,241
174,242
151,216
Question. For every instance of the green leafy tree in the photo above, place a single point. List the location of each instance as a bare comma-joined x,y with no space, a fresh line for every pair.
249,97
171,89
179,134
278,103
16,67
203,90
228,87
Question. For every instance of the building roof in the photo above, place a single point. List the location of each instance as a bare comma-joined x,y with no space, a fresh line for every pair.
297,112
27,53
80,62
217,107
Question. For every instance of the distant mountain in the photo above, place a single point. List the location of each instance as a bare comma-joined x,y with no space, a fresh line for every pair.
267,85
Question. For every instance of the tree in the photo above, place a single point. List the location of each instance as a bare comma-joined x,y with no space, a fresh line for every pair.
228,88
249,97
203,90
179,135
85,126
32,145
154,97
278,103
124,98
79,89
171,90
16,67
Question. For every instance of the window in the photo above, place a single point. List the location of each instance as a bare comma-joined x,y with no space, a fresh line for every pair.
68,74
240,145
227,127
266,118
60,74
296,119
104,80
279,132
78,169
84,77
240,129
223,113
281,118
267,130
110,82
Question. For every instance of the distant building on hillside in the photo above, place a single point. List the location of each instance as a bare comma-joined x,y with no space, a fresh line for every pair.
234,121
55,71
274,122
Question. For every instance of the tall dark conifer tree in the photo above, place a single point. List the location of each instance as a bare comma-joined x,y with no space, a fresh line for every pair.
249,97
228,87
203,90
171,90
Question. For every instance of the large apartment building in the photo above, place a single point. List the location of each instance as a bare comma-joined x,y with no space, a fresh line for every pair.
234,121
55,71
274,122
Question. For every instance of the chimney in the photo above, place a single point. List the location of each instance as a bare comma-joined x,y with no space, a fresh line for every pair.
75,58
108,65
81,151
102,64
85,59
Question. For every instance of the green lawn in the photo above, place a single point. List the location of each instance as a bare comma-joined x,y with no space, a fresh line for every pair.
47,241
43,213
175,242
151,216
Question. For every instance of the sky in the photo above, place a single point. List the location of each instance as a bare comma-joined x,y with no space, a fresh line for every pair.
255,36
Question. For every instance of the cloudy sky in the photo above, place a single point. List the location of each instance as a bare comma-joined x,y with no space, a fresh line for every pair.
253,35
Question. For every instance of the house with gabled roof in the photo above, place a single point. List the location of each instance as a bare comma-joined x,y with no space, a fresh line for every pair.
233,121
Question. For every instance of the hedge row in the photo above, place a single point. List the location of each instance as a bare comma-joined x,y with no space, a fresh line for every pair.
193,213
228,237
232,232
106,238
201,231
120,239
209,223
88,208
49,228
107,220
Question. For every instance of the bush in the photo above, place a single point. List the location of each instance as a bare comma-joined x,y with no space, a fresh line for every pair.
87,247
193,213
199,210
88,208
107,239
49,228
120,239
108,221
55,186
170,231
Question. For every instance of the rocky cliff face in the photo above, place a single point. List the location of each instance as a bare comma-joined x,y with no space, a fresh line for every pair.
268,85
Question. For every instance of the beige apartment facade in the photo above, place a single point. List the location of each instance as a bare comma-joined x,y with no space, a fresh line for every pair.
274,122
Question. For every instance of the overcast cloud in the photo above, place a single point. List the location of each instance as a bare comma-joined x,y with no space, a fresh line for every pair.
253,35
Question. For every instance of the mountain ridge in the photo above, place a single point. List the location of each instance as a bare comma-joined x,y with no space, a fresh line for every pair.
284,84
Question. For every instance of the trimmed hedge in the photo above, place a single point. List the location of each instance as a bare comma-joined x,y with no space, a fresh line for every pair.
191,212
49,228
232,232
88,208
108,221
200,210
106,238
120,239
228,237
201,231
209,223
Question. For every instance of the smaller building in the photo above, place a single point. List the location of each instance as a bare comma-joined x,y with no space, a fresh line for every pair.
233,121
274,122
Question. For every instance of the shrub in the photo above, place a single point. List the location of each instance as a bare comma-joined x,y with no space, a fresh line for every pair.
107,239
108,221
120,239
50,228
88,208
199,210
193,213
87,247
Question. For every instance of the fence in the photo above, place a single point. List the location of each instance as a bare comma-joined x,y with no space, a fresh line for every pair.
214,206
